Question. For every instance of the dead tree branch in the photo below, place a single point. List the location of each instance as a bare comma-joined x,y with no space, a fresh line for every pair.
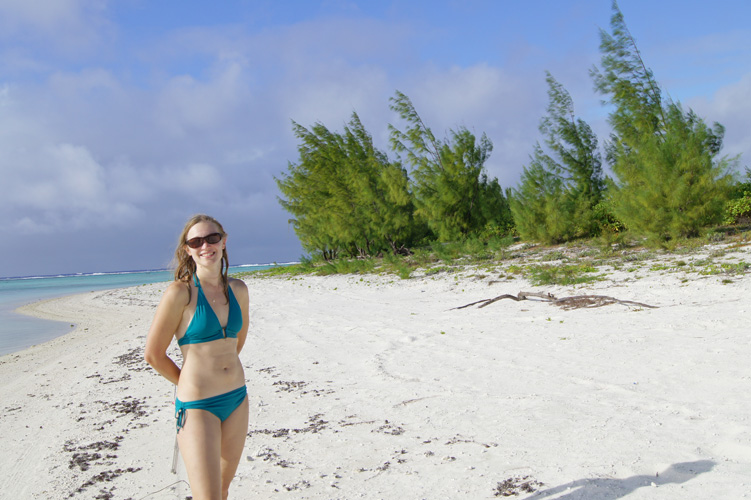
566,303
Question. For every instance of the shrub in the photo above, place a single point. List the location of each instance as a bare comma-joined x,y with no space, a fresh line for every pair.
737,209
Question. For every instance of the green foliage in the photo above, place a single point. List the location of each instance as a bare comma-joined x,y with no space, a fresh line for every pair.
304,267
346,266
630,85
452,193
668,182
725,268
605,220
738,206
670,185
558,191
351,205
737,209
345,195
478,249
447,252
547,274
539,204
397,265
348,200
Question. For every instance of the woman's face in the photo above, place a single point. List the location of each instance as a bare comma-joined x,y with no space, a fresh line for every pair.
208,253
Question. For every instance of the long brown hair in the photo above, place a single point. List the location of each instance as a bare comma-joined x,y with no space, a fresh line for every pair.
185,266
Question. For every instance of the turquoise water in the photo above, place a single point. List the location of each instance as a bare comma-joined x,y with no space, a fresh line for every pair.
18,331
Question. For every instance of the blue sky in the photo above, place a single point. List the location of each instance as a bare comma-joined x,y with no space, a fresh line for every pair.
120,119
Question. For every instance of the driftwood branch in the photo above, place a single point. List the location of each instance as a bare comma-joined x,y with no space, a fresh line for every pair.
575,302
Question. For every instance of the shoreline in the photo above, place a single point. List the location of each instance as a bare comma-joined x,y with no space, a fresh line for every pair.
376,387
22,293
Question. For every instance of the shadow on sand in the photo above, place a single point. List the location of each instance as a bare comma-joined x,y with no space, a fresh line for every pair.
612,489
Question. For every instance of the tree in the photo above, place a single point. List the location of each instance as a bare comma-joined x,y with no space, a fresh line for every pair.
452,194
381,191
344,193
558,191
669,181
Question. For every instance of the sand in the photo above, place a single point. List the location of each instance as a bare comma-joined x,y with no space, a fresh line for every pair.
376,387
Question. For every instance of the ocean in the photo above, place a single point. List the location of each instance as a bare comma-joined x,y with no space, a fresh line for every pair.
18,331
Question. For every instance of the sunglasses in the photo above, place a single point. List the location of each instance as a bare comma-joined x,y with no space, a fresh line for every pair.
211,239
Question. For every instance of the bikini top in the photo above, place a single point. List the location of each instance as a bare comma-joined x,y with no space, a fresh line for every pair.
204,325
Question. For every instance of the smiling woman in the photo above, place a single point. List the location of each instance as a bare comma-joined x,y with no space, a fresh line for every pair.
207,313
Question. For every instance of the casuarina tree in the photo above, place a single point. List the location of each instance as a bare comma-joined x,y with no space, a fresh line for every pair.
452,193
345,195
669,180
563,183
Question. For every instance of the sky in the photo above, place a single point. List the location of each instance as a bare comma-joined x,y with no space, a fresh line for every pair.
121,119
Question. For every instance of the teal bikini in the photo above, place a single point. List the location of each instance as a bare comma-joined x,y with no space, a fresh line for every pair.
222,405
205,327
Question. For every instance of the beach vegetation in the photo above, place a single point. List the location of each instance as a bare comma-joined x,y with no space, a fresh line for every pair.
355,210
661,267
438,269
446,252
725,268
452,193
346,266
573,274
738,207
557,265
345,196
563,183
397,265
669,181
714,236
349,200
554,255
638,256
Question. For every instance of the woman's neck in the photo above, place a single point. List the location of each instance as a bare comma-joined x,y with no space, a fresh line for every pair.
210,276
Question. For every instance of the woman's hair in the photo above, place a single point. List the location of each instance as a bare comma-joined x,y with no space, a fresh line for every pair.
185,267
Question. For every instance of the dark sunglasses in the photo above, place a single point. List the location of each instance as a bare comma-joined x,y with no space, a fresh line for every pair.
211,239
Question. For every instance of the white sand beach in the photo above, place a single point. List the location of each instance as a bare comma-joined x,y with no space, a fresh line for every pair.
378,388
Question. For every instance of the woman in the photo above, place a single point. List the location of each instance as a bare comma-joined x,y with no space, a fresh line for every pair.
208,314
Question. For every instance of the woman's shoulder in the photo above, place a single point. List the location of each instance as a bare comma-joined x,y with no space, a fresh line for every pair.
177,292
238,286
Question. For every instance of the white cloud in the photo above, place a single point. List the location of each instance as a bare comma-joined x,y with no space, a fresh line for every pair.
84,82
60,187
76,174
63,187
332,97
731,107
56,24
98,150
196,179
476,91
55,177
185,103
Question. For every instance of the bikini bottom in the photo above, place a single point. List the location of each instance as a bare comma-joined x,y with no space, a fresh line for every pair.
222,405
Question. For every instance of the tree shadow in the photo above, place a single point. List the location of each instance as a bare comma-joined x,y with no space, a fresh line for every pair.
612,489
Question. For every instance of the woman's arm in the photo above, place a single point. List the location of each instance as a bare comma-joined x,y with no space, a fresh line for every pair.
240,289
166,320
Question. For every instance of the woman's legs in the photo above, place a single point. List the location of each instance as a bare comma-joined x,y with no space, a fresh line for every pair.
200,447
211,450
234,432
